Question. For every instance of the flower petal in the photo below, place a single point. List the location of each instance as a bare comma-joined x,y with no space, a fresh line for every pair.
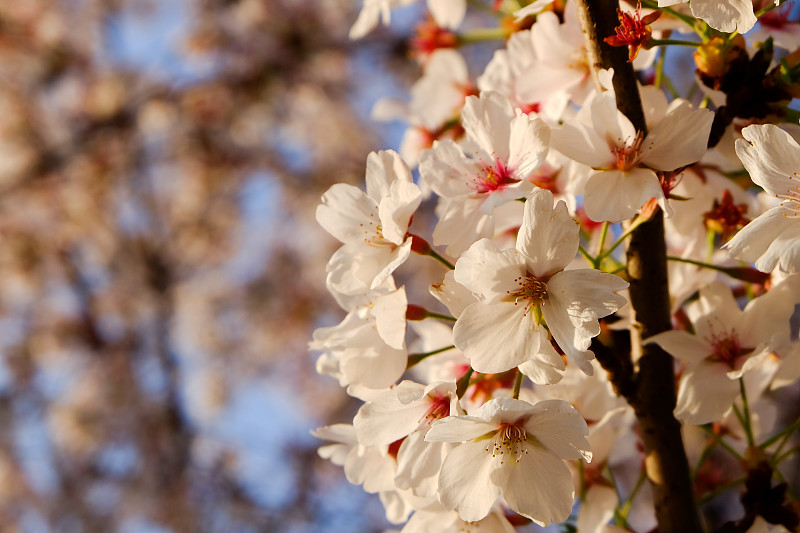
548,237
497,337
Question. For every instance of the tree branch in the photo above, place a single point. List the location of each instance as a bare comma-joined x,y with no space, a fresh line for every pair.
653,393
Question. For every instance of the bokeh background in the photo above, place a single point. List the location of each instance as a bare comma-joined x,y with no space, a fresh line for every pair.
161,270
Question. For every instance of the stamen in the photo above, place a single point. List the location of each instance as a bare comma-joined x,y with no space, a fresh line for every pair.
531,292
493,178
791,199
628,155
509,441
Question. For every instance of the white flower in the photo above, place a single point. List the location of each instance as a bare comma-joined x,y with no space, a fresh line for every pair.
623,161
723,15
504,149
728,344
372,225
406,412
772,157
447,13
514,449
521,289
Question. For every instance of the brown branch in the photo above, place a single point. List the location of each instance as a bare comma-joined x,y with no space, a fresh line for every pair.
653,394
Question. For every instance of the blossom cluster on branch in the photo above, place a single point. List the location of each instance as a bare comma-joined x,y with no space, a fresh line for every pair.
484,407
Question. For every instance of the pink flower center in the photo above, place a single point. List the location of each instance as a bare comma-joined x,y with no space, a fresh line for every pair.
493,178
628,155
439,408
727,349
510,441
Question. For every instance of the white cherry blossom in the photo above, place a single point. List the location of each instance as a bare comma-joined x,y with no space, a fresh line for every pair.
372,225
728,344
521,289
500,151
772,157
514,449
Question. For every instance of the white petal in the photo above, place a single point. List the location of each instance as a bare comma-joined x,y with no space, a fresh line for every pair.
725,15
614,195
497,337
486,121
461,223
705,393
756,241
447,170
383,169
576,299
448,13
771,156
548,237
465,483
538,487
581,143
390,317
385,420
488,272
683,345
419,463
560,428
529,144
395,210
597,509
459,429
610,122
679,139
347,213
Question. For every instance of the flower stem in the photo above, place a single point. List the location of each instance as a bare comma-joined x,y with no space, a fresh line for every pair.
415,358
517,384
782,434
748,428
722,442
676,42
441,259
442,317
463,383
482,34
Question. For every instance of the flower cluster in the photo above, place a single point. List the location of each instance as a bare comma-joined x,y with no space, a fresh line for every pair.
484,405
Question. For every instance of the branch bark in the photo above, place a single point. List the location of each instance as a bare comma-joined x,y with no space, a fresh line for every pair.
652,391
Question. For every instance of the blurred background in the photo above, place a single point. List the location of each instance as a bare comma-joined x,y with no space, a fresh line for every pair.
161,270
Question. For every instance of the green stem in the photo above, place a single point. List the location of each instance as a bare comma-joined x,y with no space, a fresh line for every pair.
581,481
783,433
769,7
588,257
689,21
442,317
747,425
482,34
441,259
603,234
626,507
415,358
719,490
620,240
722,442
676,42
703,456
463,383
517,384
662,55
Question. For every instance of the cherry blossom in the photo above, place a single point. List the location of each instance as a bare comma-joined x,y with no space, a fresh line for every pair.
772,157
519,290
514,449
